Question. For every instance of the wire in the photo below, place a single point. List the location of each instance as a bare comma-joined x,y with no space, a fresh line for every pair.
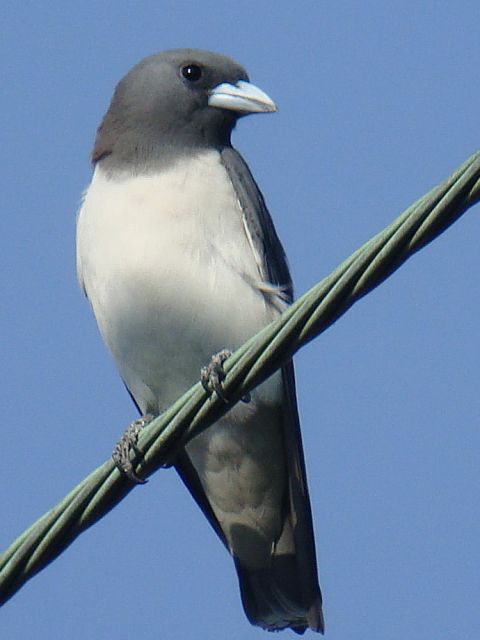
250,365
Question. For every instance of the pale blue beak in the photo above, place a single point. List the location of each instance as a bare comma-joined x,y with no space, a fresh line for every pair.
241,96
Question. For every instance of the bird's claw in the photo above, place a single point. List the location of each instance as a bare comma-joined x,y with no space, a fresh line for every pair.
212,375
127,443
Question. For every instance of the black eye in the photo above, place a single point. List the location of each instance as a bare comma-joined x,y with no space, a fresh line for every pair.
192,72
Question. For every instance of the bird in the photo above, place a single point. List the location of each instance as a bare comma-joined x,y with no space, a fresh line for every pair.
179,259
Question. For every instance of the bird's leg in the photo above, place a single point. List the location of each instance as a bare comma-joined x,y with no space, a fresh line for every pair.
127,443
212,375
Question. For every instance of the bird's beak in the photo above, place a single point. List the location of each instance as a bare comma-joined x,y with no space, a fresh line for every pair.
241,96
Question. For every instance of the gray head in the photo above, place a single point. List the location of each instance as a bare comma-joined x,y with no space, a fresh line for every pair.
173,103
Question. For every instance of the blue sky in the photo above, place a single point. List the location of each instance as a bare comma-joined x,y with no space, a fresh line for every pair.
378,102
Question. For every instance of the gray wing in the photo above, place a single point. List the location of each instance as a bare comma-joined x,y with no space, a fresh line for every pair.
286,594
266,245
270,595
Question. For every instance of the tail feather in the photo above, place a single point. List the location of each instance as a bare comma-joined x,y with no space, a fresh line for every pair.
273,598
285,593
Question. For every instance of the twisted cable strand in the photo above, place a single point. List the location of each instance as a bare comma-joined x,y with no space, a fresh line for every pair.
250,365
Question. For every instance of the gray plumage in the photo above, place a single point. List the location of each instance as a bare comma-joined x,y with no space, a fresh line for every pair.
179,258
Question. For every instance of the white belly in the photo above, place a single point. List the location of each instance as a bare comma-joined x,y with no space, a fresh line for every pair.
168,270
170,273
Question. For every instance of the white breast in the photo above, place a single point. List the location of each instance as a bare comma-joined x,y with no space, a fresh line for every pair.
168,269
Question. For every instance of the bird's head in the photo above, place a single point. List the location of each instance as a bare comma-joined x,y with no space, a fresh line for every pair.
176,101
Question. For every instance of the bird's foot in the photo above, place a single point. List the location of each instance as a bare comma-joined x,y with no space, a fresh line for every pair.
213,375
127,443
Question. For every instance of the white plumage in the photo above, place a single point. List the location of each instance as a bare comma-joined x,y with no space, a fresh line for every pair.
169,269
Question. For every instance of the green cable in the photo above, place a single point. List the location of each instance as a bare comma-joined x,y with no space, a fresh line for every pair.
250,365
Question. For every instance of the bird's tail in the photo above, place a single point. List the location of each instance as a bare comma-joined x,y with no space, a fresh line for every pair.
274,598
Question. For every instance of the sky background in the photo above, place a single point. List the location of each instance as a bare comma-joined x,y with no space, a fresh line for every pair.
378,102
